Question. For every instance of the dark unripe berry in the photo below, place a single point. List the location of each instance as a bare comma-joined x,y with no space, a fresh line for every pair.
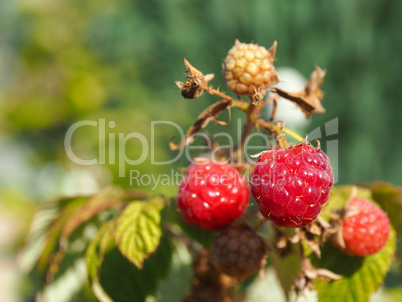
238,251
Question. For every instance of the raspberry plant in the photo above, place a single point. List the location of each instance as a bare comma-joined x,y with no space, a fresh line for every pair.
311,233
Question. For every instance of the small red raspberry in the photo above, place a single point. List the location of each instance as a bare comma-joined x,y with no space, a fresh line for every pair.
238,251
366,232
212,195
291,185
248,67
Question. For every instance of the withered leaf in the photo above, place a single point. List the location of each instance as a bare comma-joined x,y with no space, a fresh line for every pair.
209,114
309,99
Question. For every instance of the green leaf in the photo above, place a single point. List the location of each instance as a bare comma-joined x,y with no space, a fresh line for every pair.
362,275
79,215
98,248
341,194
124,282
287,268
196,233
138,230
390,199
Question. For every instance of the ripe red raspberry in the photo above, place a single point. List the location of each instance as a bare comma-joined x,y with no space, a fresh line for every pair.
248,67
238,251
212,195
291,185
366,232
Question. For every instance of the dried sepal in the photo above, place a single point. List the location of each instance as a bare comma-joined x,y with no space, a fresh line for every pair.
309,274
258,96
272,50
258,155
191,89
327,275
317,232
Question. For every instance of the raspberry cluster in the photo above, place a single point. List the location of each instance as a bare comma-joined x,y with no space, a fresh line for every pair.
212,195
238,251
366,232
291,185
248,67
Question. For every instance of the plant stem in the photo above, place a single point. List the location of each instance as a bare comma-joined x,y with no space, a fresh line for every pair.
282,142
248,127
216,92
183,239
293,134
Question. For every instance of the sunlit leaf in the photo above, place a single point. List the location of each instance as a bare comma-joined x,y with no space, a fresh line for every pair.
390,199
362,275
138,230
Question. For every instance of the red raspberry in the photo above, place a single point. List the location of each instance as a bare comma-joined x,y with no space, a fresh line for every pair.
291,185
212,195
238,251
366,232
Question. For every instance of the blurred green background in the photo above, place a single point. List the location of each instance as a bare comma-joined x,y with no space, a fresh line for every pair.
66,61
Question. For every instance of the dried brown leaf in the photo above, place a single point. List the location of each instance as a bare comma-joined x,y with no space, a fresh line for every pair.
109,198
309,99
209,114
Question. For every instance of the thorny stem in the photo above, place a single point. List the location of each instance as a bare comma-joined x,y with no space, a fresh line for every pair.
253,120
248,127
216,92
183,239
252,110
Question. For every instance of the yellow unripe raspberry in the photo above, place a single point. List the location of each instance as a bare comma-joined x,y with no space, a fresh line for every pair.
249,67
